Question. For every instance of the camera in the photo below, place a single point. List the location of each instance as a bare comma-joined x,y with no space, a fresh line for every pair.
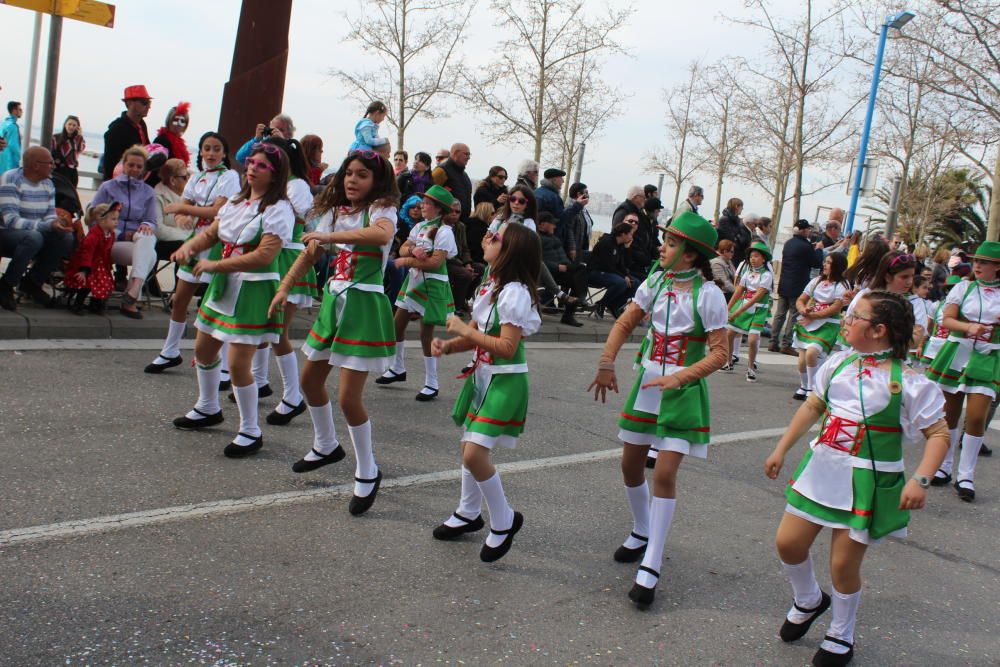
267,132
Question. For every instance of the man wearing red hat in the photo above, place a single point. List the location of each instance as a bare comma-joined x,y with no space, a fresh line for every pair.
127,130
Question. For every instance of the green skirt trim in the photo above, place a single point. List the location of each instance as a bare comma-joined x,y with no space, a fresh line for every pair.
249,317
364,329
751,321
684,413
432,296
824,337
503,410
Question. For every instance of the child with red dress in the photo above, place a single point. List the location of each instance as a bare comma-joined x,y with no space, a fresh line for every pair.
89,268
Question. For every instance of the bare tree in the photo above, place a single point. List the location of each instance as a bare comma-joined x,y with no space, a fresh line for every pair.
543,38
416,41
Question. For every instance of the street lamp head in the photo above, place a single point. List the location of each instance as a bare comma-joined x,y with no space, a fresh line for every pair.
897,21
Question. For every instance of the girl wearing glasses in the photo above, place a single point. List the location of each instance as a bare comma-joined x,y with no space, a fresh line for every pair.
520,207
494,399
426,292
851,479
248,235
816,330
353,331
968,366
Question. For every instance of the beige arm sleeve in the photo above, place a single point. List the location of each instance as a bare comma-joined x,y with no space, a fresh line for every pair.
619,334
206,239
267,250
718,355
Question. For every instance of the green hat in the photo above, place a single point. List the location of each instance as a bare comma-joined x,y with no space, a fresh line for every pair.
697,230
988,250
952,280
441,196
760,247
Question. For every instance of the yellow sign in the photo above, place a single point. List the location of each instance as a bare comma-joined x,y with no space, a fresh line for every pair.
88,11
60,7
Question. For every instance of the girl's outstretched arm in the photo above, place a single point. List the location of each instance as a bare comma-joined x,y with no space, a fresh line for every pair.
802,421
620,331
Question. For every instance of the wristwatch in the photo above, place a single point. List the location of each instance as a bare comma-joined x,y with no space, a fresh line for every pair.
923,480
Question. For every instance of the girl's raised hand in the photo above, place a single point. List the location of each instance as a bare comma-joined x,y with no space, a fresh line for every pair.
604,380
278,303
438,347
773,464
913,497
456,326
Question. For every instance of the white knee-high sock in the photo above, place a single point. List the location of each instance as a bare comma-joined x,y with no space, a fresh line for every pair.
431,372
638,502
288,367
399,361
172,344
501,513
811,374
845,612
805,588
968,457
261,365
246,400
737,344
208,390
324,431
661,516
471,504
364,467
224,354
804,380
953,435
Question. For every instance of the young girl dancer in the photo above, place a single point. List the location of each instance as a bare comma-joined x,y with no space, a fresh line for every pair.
668,406
852,479
494,400
937,335
204,195
894,273
749,306
251,228
353,330
89,268
819,308
968,366
426,293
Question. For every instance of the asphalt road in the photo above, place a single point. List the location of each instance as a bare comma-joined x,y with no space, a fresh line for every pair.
223,562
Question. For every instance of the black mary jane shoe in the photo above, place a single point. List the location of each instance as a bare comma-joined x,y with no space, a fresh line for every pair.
225,385
262,392
423,398
640,595
325,459
396,377
490,554
236,451
446,532
185,423
984,450
155,368
824,658
650,462
624,554
276,418
966,493
941,481
791,632
359,504
131,314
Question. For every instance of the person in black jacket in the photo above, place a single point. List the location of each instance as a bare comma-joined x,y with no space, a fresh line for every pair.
127,130
732,228
798,259
493,189
571,276
609,268
451,175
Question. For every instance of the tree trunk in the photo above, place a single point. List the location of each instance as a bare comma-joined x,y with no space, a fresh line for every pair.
993,222
800,120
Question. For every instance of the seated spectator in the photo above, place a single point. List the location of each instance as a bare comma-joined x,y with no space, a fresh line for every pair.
632,205
312,148
476,229
172,229
609,269
30,229
135,243
463,274
415,181
493,189
527,174
280,126
547,193
569,275
399,161
723,269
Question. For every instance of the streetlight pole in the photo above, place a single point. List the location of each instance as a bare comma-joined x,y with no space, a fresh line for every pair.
896,21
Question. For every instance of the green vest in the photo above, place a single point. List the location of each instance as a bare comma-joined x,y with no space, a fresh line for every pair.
680,349
362,265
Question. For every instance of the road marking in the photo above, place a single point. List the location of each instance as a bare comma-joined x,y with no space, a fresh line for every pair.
103,524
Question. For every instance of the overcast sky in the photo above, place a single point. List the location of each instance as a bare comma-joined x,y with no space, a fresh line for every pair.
182,49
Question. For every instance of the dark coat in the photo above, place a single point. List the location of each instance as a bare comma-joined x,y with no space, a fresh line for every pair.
730,227
553,253
798,258
488,192
121,136
452,177
608,256
549,199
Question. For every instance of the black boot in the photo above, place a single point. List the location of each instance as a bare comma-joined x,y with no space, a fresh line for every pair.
97,306
76,306
568,318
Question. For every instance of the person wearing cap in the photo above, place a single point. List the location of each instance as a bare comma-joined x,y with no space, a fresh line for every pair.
451,176
668,405
127,130
750,306
426,292
967,368
798,259
651,191
547,193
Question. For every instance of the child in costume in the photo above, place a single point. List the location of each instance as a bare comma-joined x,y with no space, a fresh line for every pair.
921,316
937,335
494,400
816,330
737,337
750,306
251,229
894,273
203,198
366,131
353,331
668,407
967,368
852,479
89,268
426,292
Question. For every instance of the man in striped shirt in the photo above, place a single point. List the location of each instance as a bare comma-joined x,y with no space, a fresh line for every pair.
29,228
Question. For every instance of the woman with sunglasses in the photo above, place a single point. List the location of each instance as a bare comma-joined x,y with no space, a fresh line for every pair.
967,368
353,331
494,400
426,292
493,189
250,231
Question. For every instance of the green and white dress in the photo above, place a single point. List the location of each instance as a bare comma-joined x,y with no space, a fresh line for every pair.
354,328
971,365
493,403
937,336
234,308
429,292
755,317
820,334
921,318
853,474
675,420
203,190
305,288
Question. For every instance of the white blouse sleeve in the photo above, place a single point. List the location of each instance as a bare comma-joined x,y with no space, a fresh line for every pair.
767,281
824,373
189,187
323,223
812,286
644,295
957,293
712,307
379,212
923,404
300,197
445,240
279,220
514,307
229,184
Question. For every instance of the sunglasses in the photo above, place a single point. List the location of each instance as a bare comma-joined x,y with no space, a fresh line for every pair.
180,120
367,155
440,157
518,200
494,237
502,177
260,164
631,221
903,259
270,149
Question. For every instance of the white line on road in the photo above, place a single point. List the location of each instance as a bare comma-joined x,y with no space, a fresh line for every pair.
102,524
